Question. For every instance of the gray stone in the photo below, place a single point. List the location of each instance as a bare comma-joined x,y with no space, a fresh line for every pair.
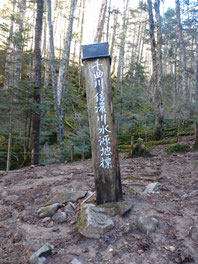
147,224
38,260
60,217
68,196
70,208
76,261
93,222
152,187
39,256
126,228
114,208
48,211
92,252
11,198
46,219
123,207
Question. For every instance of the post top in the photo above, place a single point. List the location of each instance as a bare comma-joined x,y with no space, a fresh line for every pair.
95,50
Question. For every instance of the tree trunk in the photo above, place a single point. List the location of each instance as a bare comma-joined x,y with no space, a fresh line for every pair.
76,37
195,147
8,76
115,20
108,20
101,22
158,118
186,101
19,43
53,68
9,144
122,46
159,57
62,95
175,90
81,39
195,88
37,85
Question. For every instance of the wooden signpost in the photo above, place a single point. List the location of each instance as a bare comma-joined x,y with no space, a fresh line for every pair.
101,123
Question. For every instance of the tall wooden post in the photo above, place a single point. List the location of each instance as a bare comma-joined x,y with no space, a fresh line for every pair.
101,123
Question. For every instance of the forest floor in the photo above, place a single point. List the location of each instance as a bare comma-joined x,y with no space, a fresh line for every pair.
175,204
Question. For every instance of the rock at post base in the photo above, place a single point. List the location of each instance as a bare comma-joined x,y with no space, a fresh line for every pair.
68,196
48,211
93,222
70,208
60,217
124,207
147,224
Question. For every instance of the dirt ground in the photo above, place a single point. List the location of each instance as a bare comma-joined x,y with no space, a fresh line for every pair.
175,204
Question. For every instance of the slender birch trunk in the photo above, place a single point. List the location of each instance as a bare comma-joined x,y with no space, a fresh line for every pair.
158,118
77,37
175,90
108,20
60,95
66,52
122,46
159,58
81,39
67,45
19,43
195,88
101,22
115,21
8,76
182,48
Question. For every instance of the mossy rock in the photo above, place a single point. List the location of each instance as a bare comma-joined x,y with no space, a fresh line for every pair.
114,208
178,148
82,220
140,149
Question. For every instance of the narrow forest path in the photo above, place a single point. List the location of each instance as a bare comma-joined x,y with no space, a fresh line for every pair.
175,204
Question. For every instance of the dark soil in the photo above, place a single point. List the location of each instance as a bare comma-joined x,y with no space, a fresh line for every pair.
23,192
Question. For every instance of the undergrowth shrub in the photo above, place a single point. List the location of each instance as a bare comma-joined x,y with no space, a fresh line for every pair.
178,148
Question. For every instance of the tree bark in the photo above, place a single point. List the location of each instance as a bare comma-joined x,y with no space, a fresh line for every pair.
159,117
115,20
53,68
101,22
9,144
37,85
8,76
108,20
159,57
182,48
195,88
62,95
122,46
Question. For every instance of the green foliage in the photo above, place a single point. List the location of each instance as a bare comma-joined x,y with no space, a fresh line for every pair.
178,148
134,111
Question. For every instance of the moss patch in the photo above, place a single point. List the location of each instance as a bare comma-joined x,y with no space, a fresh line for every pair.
129,178
178,148
82,219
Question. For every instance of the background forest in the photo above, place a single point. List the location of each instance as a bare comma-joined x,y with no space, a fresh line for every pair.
154,69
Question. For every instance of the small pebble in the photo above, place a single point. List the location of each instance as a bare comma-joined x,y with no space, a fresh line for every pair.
140,251
172,249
